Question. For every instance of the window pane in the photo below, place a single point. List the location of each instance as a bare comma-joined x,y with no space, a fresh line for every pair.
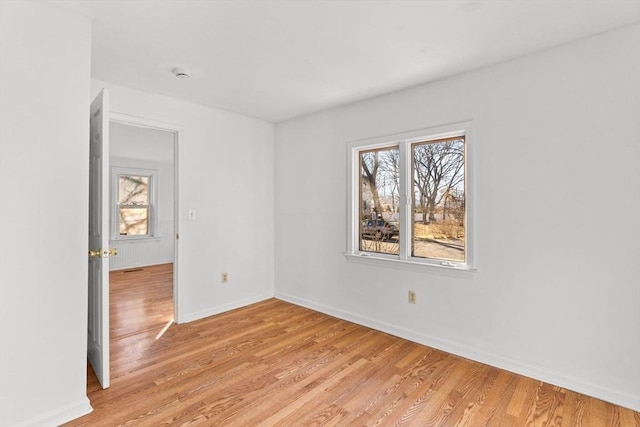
133,221
133,190
379,200
439,199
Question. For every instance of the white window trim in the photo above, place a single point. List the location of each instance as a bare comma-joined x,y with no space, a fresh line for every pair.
116,171
404,140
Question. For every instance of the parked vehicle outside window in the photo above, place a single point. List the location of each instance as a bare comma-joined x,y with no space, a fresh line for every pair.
380,229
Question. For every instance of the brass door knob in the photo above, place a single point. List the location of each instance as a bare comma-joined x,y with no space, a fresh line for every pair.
103,253
93,254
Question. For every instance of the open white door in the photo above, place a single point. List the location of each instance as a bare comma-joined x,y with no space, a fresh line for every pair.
98,324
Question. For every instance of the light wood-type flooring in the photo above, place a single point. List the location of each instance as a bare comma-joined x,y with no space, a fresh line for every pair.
278,364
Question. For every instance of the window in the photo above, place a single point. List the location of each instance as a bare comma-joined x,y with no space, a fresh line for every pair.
133,191
410,198
379,202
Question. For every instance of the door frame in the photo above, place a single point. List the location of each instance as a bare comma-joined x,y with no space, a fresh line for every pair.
141,122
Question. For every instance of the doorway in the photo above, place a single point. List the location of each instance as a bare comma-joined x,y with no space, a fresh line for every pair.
146,132
142,231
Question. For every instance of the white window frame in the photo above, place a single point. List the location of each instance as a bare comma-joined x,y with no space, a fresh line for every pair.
152,220
404,142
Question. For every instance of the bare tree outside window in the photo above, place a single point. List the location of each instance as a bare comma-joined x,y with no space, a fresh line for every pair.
133,205
379,200
439,199
410,199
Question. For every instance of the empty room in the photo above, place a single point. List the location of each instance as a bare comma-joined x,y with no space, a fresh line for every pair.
339,213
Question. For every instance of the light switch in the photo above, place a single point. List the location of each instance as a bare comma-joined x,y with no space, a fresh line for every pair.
191,214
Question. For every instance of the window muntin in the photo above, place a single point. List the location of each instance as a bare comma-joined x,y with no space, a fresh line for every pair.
452,209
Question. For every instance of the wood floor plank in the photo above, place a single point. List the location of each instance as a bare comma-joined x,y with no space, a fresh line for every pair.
278,364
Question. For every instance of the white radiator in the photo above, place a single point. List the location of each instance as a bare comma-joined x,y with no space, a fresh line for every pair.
143,252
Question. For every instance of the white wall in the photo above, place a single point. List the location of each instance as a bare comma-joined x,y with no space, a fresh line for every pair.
144,143
225,173
44,127
558,195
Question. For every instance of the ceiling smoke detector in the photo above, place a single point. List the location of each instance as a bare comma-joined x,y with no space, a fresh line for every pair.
182,73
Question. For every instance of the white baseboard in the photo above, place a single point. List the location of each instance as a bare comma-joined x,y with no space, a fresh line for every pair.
149,264
511,365
59,415
190,317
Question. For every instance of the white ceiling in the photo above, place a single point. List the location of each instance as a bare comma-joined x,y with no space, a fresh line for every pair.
275,60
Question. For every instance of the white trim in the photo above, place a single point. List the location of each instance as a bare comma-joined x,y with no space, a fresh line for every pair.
135,239
60,415
212,311
151,264
508,364
142,122
381,260
404,141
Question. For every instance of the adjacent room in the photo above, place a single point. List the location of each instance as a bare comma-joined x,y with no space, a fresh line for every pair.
300,213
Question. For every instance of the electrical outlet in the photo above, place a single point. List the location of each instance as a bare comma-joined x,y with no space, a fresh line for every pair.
225,277
412,297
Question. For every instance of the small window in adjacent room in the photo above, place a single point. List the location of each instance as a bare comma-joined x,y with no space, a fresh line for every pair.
410,199
134,197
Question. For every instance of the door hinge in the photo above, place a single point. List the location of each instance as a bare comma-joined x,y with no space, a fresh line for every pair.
177,236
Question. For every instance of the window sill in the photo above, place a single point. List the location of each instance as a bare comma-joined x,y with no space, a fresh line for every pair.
372,259
135,239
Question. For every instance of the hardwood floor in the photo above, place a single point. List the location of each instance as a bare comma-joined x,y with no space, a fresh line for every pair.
277,364
140,299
